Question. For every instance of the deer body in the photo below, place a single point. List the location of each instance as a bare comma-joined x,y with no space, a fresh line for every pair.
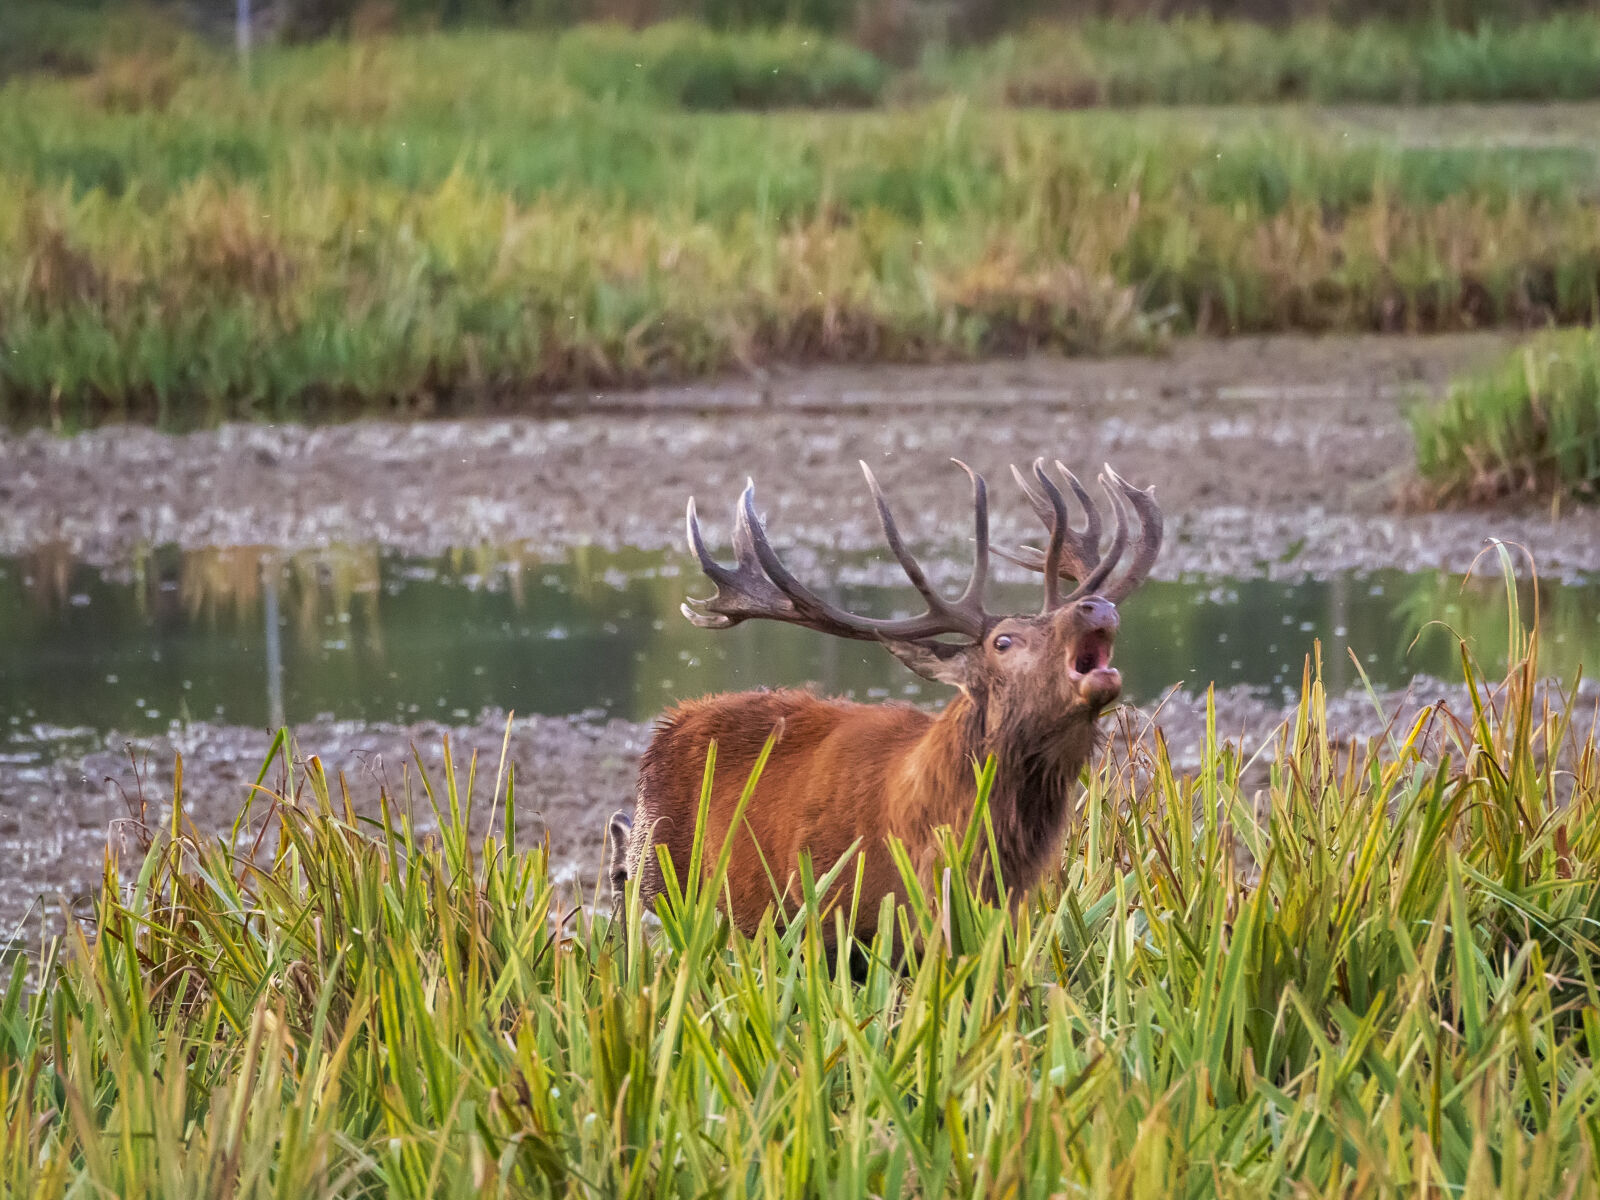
827,783
841,773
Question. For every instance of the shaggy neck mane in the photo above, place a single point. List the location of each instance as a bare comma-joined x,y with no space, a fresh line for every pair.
1035,771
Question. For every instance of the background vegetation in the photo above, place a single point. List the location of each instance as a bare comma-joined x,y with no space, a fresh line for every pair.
438,219
960,18
1199,60
427,220
1528,426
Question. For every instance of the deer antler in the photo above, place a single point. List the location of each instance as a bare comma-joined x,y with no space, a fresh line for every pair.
758,585
1075,554
1143,501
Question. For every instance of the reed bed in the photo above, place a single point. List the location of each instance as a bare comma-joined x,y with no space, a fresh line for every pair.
1200,60
436,220
1527,426
764,53
688,66
1375,975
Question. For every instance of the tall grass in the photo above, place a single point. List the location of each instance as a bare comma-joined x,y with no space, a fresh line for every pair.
1374,976
1527,426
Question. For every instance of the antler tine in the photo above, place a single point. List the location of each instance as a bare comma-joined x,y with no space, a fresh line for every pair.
972,596
1090,583
759,585
1041,506
964,615
966,612
804,600
742,591
1059,527
1144,505
891,534
1086,542
1090,537
1080,553
1079,558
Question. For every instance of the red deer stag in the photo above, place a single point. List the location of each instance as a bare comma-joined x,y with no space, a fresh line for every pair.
1030,689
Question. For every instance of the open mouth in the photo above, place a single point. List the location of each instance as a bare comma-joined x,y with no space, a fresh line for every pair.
1094,652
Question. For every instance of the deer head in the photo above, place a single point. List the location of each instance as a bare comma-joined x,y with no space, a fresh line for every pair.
1026,673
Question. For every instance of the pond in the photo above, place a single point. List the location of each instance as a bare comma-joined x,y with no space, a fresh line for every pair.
255,638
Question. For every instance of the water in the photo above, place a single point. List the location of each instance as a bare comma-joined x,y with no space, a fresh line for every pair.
251,638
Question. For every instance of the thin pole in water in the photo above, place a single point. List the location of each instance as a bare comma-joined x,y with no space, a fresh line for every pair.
241,30
271,572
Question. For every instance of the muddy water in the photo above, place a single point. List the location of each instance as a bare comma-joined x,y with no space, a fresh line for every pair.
253,638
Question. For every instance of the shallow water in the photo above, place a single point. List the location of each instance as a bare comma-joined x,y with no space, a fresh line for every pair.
253,638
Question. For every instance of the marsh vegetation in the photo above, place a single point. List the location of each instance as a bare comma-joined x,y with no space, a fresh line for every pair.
1354,968
394,222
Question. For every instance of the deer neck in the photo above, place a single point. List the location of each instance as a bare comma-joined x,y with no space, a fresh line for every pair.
1036,773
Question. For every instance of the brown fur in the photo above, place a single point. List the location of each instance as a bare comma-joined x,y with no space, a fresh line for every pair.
842,771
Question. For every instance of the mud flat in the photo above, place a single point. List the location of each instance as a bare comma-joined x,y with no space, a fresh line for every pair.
1280,455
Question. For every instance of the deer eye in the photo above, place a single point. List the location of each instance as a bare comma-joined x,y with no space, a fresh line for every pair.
1003,642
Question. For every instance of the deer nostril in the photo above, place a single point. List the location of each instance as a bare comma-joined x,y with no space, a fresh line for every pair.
1095,612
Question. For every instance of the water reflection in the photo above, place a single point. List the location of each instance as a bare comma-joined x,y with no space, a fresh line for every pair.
252,636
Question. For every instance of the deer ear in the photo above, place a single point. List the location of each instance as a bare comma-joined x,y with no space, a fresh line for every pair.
941,662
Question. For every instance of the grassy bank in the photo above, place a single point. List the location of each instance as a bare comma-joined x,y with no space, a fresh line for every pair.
439,220
1400,998
1529,426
